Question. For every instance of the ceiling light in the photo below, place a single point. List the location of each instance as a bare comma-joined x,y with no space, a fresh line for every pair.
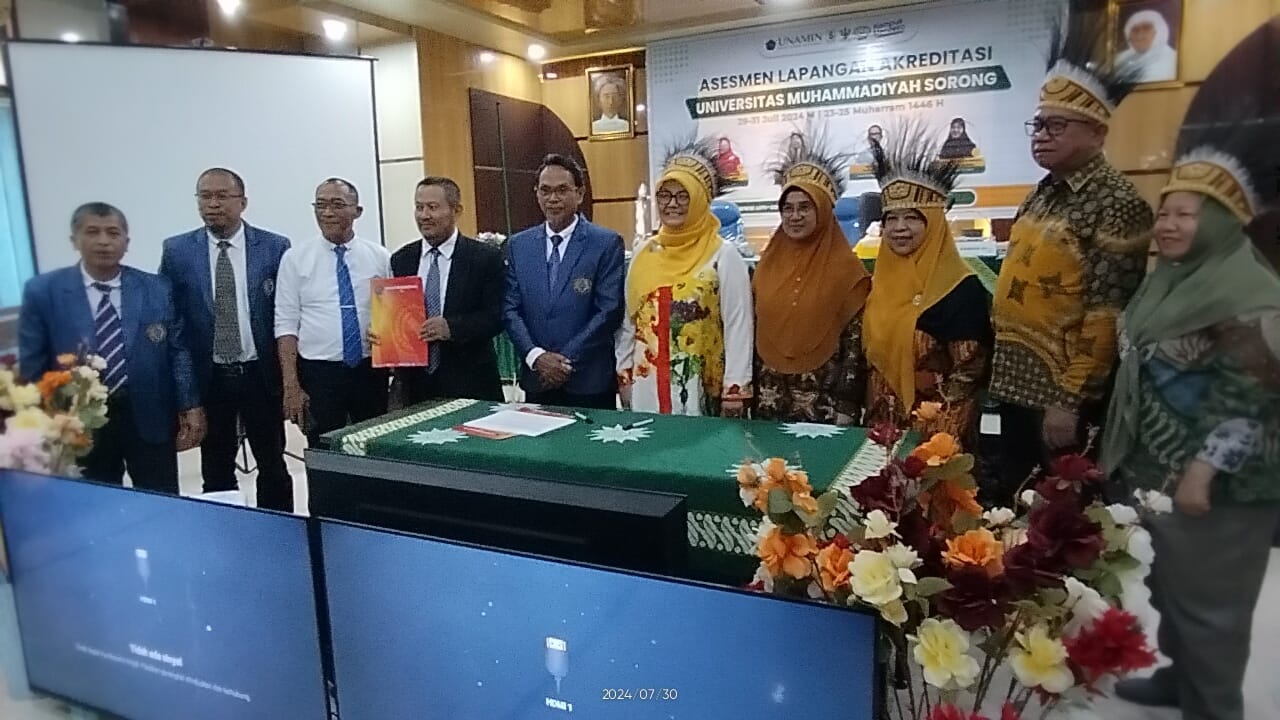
229,7
537,52
487,57
551,75
639,107
335,30
70,36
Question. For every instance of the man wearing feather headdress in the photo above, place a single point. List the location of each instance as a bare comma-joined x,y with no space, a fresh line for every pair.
1077,252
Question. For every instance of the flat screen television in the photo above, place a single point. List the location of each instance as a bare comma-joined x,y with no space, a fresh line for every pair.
615,527
425,629
154,607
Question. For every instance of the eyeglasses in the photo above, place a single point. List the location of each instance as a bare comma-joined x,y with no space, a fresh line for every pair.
335,205
1055,126
208,197
801,209
664,198
561,191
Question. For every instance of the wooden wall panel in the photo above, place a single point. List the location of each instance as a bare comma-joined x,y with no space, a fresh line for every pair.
1213,27
617,167
1145,128
1149,186
567,98
617,216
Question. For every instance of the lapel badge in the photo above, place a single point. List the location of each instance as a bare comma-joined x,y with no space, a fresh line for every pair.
268,286
582,285
156,332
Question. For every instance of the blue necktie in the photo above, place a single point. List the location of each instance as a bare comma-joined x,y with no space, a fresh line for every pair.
435,304
553,263
109,334
352,343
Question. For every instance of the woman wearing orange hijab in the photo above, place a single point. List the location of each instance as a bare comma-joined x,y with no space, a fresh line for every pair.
810,289
928,331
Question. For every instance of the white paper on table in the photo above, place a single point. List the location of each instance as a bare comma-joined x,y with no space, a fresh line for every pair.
514,422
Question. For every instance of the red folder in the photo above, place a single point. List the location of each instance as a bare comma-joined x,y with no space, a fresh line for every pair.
398,313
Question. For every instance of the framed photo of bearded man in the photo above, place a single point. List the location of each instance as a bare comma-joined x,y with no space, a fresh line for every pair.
1149,34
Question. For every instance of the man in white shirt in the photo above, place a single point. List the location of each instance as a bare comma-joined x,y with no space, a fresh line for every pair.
224,277
322,319
611,98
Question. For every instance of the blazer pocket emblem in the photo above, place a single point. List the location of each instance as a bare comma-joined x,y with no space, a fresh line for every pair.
582,285
156,332
268,286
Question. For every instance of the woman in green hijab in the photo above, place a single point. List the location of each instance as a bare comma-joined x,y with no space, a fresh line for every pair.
1196,414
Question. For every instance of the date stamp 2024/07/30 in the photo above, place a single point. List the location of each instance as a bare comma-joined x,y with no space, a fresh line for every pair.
642,694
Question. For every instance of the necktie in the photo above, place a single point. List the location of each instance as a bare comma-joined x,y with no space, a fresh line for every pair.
352,343
226,315
553,263
110,339
435,303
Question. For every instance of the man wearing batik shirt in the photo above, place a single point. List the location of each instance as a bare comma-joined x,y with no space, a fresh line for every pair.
1077,253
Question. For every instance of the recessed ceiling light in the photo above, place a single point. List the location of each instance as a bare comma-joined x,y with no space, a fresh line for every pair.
229,7
487,57
335,30
551,75
639,107
537,52
70,36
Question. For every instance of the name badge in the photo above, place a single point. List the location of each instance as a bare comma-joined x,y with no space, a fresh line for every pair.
157,332
268,286
582,285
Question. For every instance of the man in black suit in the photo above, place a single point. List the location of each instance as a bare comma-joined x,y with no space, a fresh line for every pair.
462,282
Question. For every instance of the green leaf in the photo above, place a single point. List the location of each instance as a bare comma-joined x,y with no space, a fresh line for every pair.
1109,586
1100,515
1124,563
827,502
791,523
930,586
779,502
952,469
1053,596
963,522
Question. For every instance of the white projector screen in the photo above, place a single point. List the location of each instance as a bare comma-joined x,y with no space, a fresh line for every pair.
135,126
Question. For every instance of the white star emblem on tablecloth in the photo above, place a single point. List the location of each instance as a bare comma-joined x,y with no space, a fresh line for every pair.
442,436
812,430
619,434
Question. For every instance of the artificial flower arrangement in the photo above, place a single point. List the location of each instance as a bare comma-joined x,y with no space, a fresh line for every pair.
491,238
48,425
964,591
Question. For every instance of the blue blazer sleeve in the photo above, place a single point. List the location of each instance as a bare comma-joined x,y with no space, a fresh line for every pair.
608,299
513,302
186,393
34,351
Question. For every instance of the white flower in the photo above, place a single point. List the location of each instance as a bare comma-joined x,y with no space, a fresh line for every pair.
902,556
22,397
98,393
1154,500
879,526
764,578
1028,497
995,517
86,373
766,528
942,649
96,362
1122,514
1139,547
815,591
1085,604
1040,660
873,577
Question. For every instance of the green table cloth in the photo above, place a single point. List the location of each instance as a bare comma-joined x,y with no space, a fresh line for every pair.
697,457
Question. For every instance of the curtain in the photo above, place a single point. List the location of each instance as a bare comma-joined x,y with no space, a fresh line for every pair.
16,264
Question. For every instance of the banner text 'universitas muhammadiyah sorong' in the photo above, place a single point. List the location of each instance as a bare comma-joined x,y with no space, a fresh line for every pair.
970,69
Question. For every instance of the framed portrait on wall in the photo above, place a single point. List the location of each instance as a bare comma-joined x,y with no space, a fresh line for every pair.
611,103
1149,33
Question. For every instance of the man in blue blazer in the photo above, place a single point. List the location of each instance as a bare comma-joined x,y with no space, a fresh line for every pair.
224,287
564,298
126,316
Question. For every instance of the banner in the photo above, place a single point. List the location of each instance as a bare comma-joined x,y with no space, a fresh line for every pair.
970,69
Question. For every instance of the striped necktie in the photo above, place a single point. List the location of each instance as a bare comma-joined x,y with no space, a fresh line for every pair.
109,334
352,343
435,303
553,263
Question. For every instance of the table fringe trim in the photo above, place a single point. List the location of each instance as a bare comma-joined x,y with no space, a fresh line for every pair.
357,443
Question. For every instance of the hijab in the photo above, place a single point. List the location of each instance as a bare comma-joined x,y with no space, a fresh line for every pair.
1221,277
675,254
958,147
901,290
807,291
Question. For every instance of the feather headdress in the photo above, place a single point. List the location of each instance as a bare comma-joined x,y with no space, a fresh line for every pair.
1082,79
807,157
697,156
909,172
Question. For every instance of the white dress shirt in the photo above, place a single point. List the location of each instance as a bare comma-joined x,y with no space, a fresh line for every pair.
239,267
566,236
445,262
609,124
307,305
95,295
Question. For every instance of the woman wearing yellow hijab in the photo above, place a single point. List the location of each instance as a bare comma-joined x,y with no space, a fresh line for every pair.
810,289
927,328
686,339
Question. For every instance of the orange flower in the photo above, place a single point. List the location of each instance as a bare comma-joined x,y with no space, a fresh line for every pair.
53,380
940,448
805,502
929,411
67,360
776,469
787,553
946,498
833,567
977,548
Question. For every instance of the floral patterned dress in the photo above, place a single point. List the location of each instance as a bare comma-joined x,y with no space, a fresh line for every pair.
690,344
821,396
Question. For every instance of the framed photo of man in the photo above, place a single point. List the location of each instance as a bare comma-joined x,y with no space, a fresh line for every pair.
612,102
1149,33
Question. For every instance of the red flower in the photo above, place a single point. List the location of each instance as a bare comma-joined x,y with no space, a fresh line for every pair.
1027,569
8,361
913,467
975,600
884,491
757,586
1009,712
951,712
841,541
1113,645
915,530
1065,536
886,434
1075,469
